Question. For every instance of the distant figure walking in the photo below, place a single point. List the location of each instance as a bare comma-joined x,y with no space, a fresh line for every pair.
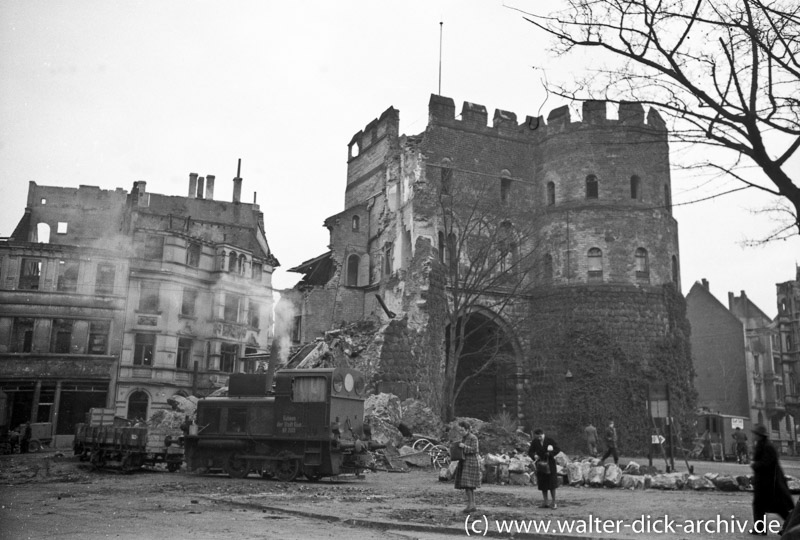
611,443
25,441
740,437
590,432
468,473
770,490
543,451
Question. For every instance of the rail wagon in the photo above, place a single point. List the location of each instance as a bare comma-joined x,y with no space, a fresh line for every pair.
312,425
128,448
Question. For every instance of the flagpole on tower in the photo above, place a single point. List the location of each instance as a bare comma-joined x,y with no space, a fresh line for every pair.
441,25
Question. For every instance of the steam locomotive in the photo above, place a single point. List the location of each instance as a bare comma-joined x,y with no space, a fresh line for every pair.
313,425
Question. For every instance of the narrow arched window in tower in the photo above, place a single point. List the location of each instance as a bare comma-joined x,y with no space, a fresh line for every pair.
240,266
551,193
675,273
547,267
505,189
636,186
232,259
667,198
642,268
592,188
352,270
356,225
595,264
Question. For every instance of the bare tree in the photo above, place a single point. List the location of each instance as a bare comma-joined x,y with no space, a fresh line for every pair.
487,245
727,72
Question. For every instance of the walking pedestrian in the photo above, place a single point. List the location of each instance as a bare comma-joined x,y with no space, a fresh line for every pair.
25,441
611,443
770,491
543,451
468,473
740,438
590,432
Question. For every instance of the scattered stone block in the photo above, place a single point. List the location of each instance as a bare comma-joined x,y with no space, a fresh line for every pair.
612,477
519,479
596,476
699,483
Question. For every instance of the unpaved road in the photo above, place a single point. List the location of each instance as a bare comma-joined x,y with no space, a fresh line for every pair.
44,496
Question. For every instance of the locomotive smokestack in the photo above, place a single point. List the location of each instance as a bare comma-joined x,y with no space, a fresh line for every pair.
274,359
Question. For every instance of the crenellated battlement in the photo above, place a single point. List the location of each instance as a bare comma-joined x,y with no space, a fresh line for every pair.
442,111
388,123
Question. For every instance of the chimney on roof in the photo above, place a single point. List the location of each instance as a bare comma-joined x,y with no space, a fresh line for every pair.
192,185
200,187
237,184
210,187
143,199
704,281
731,300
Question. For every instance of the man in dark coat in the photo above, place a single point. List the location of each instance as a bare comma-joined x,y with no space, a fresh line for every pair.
770,491
611,443
543,451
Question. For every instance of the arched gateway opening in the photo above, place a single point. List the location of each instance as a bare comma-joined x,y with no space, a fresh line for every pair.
487,369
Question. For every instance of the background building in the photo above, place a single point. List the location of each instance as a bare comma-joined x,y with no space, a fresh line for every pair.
116,299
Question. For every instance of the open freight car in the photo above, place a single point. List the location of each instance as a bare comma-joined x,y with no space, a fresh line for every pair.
313,425
106,441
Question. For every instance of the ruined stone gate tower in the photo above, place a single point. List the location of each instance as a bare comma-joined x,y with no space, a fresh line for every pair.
604,314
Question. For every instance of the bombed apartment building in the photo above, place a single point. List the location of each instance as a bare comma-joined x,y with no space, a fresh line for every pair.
569,224
123,300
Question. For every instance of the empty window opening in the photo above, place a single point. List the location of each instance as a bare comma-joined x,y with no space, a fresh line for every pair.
143,348
42,233
148,297
675,273
352,270
98,337
242,264
30,273
232,259
258,270
642,268
44,201
636,187
595,264
184,357
104,281
551,193
154,247
137,406
233,304
67,276
505,189
188,302
228,355
254,315
388,258
61,336
667,198
353,150
61,228
447,180
193,255
592,188
356,223
22,335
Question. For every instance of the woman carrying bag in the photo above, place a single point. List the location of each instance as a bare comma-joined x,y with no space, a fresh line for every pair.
543,451
468,473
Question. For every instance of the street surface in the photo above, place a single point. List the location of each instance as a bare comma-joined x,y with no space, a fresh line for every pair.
43,496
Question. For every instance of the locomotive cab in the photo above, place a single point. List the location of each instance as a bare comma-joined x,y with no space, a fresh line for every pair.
313,425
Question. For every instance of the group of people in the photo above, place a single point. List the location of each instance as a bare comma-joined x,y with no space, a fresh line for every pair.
543,450
770,489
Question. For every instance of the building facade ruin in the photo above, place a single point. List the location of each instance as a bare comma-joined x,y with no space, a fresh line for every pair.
123,300
601,313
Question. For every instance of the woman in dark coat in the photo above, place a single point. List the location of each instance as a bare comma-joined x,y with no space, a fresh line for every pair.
770,491
468,473
543,450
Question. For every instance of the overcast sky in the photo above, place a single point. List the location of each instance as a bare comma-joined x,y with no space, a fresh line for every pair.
108,92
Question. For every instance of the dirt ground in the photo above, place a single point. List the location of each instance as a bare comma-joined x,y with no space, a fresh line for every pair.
46,495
